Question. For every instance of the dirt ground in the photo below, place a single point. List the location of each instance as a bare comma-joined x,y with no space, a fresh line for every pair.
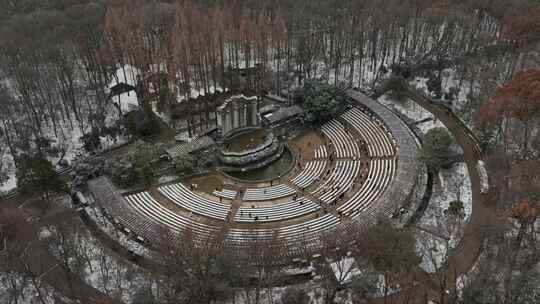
246,141
306,144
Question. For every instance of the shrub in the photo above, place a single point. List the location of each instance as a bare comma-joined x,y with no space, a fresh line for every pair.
322,101
435,152
141,124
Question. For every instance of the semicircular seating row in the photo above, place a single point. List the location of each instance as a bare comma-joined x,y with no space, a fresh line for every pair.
292,208
379,140
152,212
307,232
344,143
338,182
225,193
307,176
381,171
310,173
191,201
268,193
277,212
380,176
144,204
320,152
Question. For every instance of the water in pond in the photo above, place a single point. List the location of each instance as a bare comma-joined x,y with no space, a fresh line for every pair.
274,170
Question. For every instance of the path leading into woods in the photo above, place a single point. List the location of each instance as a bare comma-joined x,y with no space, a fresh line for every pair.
463,257
39,262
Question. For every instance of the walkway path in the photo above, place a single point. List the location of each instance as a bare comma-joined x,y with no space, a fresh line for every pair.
463,257
324,207
235,205
42,264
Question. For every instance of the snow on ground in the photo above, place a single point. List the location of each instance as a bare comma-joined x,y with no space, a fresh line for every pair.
8,167
108,273
129,77
45,232
127,101
344,269
434,250
413,111
484,179
465,279
67,138
450,82
102,269
274,295
312,288
111,231
449,185
194,92
25,292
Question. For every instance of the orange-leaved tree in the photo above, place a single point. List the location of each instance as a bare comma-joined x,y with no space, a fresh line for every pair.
519,99
525,212
524,29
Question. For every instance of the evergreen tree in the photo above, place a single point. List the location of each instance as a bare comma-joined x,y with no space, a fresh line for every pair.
36,174
435,152
322,101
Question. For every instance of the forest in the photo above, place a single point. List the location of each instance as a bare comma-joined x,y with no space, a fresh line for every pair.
58,57
59,60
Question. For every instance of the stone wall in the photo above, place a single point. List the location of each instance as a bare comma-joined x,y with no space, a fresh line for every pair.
244,159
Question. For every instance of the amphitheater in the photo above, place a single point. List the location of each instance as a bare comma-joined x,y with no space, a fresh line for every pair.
355,169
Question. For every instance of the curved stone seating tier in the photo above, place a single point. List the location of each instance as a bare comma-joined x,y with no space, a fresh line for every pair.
189,200
117,209
310,173
343,142
278,212
267,142
296,235
380,141
386,184
379,178
268,193
131,219
339,181
225,193
320,152
149,208
254,157
407,166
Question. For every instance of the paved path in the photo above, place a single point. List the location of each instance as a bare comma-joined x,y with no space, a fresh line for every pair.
42,264
463,257
235,206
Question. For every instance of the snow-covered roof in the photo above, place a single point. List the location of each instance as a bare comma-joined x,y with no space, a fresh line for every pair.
283,114
126,101
268,108
240,97
120,88
196,145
